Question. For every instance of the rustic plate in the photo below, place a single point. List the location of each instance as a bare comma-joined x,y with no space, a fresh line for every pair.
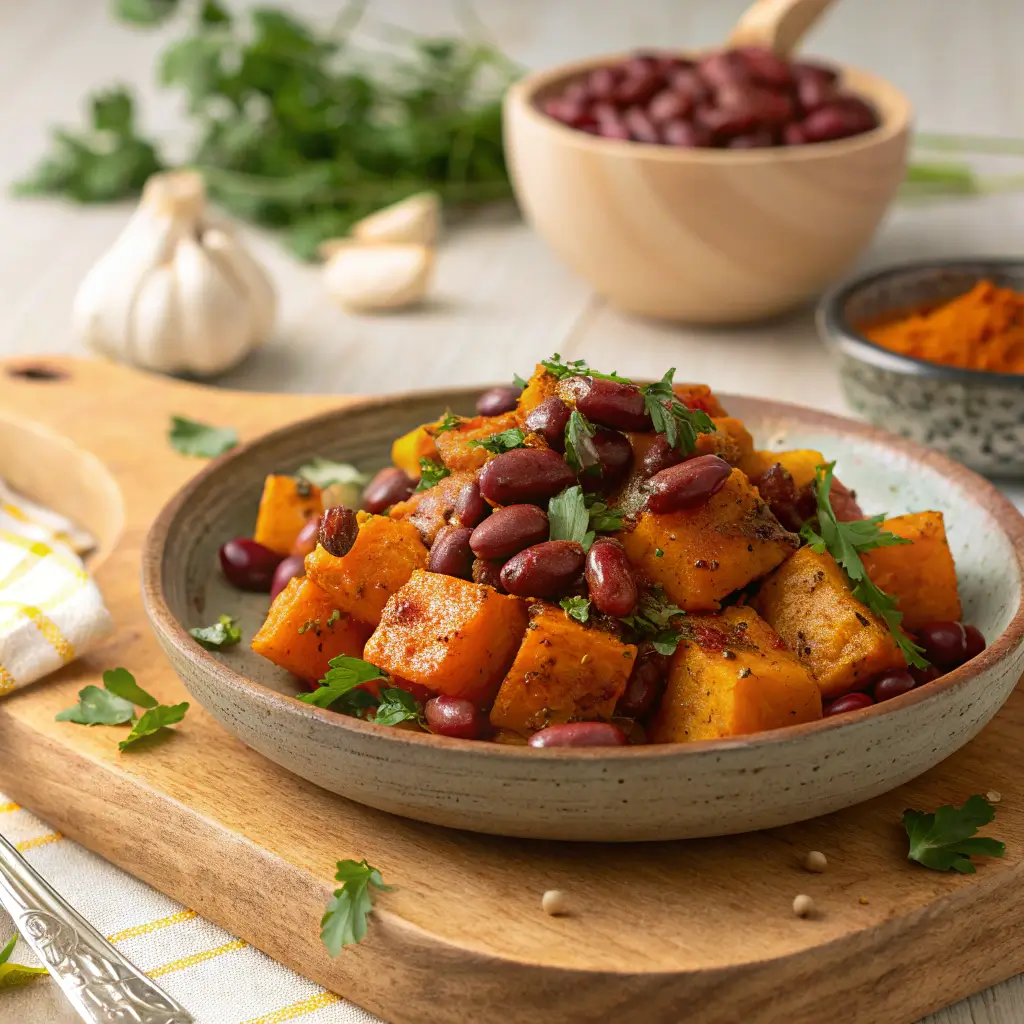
641,793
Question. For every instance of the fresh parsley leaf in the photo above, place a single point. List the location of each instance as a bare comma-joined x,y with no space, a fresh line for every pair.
603,518
448,422
344,923
13,975
343,675
145,12
200,439
577,608
431,474
844,542
225,632
504,441
946,840
577,368
671,417
518,381
325,473
98,707
396,706
155,721
580,450
658,553
121,682
652,622
568,517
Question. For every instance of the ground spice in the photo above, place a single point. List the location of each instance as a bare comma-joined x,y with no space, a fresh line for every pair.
981,330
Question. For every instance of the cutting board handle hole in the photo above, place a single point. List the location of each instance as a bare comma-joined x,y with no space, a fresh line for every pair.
37,372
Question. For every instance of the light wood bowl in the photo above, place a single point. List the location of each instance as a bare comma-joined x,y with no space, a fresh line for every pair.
703,235
618,795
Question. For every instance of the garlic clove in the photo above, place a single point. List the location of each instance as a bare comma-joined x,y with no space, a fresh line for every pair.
376,277
155,323
414,220
249,277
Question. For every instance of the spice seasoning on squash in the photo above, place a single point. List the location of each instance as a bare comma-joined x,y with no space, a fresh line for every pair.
980,330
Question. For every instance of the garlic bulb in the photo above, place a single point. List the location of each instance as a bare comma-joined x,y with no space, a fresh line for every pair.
175,293
374,277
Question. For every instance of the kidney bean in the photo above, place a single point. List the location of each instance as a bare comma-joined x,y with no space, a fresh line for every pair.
601,83
610,578
525,476
544,570
893,684
689,83
810,69
944,643
660,456
645,685
765,106
579,734
724,67
688,485
640,63
755,140
637,87
608,403
388,487
450,554
615,454
470,508
641,127
613,128
577,92
844,502
453,716
549,419
307,538
497,400
669,105
724,122
489,574
814,91
248,565
975,642
793,135
338,530
851,702
685,134
289,568
573,113
767,67
926,675
838,120
508,531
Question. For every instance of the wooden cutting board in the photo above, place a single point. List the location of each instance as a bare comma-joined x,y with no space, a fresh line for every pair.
701,931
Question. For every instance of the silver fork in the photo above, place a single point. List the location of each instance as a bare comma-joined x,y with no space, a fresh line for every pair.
99,982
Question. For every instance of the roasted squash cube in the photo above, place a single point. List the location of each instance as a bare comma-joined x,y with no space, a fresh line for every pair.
305,629
563,672
699,396
800,463
429,510
540,386
408,449
808,602
731,675
286,505
920,575
382,559
730,441
701,555
449,635
455,448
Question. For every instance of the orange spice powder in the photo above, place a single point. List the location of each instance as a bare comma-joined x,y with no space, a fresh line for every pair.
981,330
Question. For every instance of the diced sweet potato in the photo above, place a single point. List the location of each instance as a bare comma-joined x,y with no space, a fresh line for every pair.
563,672
920,575
429,510
305,629
449,635
808,602
699,396
701,555
408,449
801,464
730,441
710,694
286,505
540,386
454,445
382,559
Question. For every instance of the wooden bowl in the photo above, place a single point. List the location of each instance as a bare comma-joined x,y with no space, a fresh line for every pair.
702,235
640,793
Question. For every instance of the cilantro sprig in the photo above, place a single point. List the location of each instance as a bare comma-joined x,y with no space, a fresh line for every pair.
200,440
575,516
397,705
652,621
580,450
603,518
339,691
577,368
577,608
680,424
448,422
504,441
344,922
225,632
431,474
845,542
344,674
947,839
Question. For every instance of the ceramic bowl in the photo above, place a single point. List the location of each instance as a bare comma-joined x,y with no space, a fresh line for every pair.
702,235
639,793
972,415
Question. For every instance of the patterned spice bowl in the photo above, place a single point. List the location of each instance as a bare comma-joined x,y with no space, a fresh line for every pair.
974,415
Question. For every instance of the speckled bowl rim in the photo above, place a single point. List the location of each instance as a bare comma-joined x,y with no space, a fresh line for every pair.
836,331
171,631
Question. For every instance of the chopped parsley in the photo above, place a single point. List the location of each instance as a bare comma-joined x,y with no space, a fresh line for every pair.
190,437
325,473
504,441
344,922
577,368
653,622
338,690
947,839
568,517
396,706
671,417
603,518
580,450
431,474
448,422
658,553
577,608
154,721
343,675
518,381
225,632
98,707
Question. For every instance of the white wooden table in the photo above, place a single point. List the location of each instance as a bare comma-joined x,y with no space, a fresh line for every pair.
502,300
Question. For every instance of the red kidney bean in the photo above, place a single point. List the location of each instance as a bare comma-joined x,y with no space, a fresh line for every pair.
453,716
573,113
755,140
450,554
925,675
637,87
641,127
601,83
844,502
579,734
893,684
388,487
851,702
549,419
669,105
645,685
688,485
615,454
660,456
608,403
767,67
470,507
613,128
489,574
685,134
724,122
508,531
764,106
544,570
640,63
497,400
307,538
839,119
724,68
338,530
577,92
975,642
248,565
290,567
806,68
814,91
793,135
689,83
944,643
525,476
610,578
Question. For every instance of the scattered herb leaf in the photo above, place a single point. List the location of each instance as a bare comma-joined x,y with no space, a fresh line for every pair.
568,517
13,975
518,381
225,632
577,608
448,422
431,474
121,682
333,617
580,450
671,417
658,553
946,840
603,518
343,675
344,923
504,441
200,439
324,473
397,705
653,622
98,707
154,721
577,368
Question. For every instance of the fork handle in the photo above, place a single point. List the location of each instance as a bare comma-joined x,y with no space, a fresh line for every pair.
98,981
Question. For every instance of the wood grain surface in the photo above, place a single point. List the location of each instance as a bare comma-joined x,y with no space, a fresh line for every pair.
702,928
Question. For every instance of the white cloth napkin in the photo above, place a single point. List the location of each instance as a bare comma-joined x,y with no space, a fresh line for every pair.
51,611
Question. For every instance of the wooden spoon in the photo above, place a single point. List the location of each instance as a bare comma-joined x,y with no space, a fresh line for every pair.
777,25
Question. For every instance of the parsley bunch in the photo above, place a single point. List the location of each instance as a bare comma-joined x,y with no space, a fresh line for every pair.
845,542
575,368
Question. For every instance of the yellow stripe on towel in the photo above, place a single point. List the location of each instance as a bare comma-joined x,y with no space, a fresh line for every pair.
51,634
152,926
8,807
197,958
42,550
33,844
7,681
300,1009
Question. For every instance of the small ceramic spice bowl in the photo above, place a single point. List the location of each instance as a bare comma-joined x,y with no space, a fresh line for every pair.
974,416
